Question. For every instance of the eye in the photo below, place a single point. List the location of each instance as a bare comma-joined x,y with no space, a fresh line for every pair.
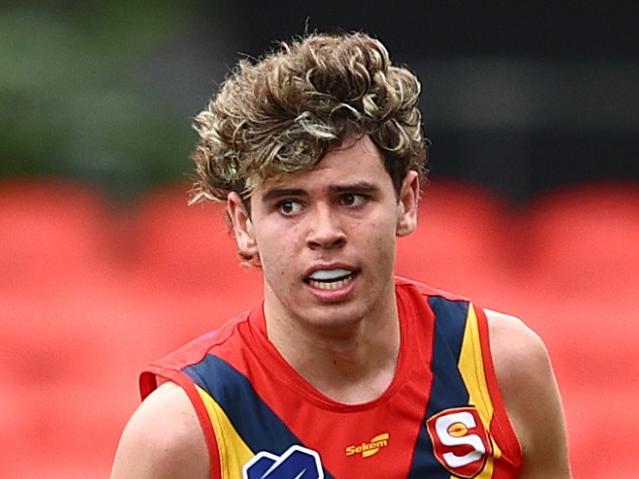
352,199
289,207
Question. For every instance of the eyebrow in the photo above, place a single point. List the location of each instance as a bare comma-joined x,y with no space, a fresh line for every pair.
276,193
357,187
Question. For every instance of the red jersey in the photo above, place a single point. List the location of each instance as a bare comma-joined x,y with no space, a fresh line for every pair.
442,416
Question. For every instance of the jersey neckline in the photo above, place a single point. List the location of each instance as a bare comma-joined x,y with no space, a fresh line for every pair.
410,353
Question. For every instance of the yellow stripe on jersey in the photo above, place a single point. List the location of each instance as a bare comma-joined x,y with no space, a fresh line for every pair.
471,366
234,452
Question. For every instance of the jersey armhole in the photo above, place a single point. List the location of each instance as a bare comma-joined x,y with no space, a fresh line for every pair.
149,382
501,418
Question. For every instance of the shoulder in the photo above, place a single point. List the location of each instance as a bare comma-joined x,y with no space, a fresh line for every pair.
530,393
518,352
195,350
163,439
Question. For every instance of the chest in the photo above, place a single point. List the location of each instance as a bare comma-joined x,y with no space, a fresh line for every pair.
423,430
441,417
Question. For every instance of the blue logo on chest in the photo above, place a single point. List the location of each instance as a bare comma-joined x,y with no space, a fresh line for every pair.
296,463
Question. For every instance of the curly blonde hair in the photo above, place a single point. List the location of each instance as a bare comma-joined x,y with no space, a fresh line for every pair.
281,114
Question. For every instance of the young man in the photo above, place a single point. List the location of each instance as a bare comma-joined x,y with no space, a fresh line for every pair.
344,371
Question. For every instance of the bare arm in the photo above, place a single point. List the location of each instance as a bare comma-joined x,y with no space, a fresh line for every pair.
163,439
531,396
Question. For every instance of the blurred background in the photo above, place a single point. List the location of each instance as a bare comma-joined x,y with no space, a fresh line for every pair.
533,206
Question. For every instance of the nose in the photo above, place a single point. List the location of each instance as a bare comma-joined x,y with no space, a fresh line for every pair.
325,231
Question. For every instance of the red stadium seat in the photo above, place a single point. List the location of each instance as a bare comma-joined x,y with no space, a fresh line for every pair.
458,244
591,342
586,240
53,234
73,363
188,267
587,337
189,249
601,421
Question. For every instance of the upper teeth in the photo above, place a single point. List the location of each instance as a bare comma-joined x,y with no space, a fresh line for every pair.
329,274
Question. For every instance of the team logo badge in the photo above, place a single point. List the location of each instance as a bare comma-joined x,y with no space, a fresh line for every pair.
296,463
460,441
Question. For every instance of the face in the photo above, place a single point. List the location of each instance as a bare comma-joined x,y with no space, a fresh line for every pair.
325,238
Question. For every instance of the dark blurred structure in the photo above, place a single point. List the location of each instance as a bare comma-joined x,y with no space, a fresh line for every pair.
521,97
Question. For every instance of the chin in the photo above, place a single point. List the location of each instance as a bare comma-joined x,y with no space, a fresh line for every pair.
333,316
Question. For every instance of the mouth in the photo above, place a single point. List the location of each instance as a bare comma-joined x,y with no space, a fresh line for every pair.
330,279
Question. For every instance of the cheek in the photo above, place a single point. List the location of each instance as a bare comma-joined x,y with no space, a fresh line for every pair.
377,238
277,247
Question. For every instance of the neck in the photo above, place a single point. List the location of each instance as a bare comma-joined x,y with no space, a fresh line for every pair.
350,363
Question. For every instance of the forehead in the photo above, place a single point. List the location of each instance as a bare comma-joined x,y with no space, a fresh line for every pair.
355,160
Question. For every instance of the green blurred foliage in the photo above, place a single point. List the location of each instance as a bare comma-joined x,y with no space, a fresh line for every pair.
72,100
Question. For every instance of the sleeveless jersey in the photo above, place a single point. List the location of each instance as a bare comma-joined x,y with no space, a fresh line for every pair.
442,417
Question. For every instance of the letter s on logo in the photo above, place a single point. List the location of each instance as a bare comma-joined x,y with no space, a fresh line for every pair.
460,442
447,435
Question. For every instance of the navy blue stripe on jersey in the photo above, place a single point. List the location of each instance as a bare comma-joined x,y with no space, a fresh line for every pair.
447,388
260,428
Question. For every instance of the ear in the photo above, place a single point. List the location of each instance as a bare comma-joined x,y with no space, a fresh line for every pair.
407,206
242,230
